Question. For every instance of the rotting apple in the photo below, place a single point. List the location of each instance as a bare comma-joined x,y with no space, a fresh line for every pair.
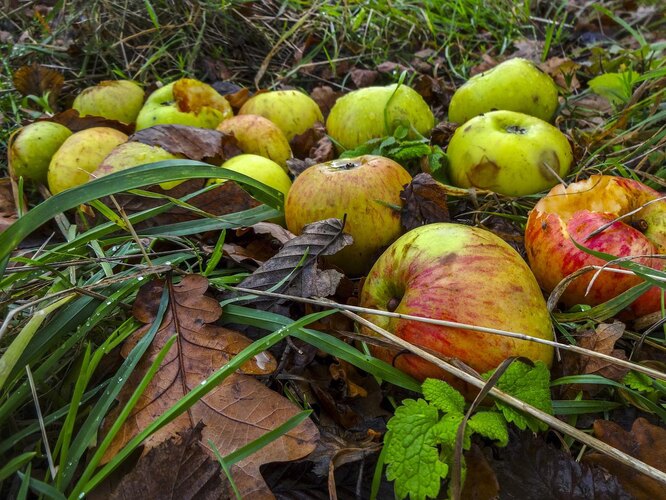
113,99
572,213
32,147
373,112
509,153
291,110
260,136
514,85
184,102
80,154
366,189
463,274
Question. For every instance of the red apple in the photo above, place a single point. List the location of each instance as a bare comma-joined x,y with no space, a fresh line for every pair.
366,189
572,213
463,274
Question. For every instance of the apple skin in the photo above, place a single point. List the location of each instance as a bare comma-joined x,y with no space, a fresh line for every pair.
509,153
514,85
184,102
119,100
573,212
80,154
291,110
358,116
360,188
32,147
261,169
457,273
260,136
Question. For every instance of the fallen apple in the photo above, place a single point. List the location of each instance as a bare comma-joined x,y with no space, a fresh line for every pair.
31,148
366,189
373,112
80,154
260,136
113,99
510,153
259,168
574,212
514,85
456,273
291,110
184,102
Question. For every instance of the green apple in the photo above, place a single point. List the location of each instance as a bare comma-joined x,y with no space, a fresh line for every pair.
184,102
31,148
116,100
514,85
261,169
260,136
80,154
456,273
373,112
291,110
510,153
367,190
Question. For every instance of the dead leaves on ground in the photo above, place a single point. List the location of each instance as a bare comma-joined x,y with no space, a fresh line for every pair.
236,412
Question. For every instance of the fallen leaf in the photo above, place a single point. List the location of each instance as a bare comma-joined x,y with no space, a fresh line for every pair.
645,442
8,213
424,202
237,99
325,98
37,80
481,482
391,67
323,150
236,412
363,77
563,71
297,166
71,119
528,48
178,468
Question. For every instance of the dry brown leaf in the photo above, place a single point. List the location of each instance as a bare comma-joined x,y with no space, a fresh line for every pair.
424,202
236,412
645,442
37,80
8,213
71,119
363,77
325,98
481,482
563,71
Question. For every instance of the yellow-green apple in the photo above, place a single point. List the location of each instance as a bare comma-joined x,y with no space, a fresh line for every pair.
80,154
571,213
510,153
261,169
456,273
31,148
373,112
260,136
291,110
366,189
184,102
113,99
514,85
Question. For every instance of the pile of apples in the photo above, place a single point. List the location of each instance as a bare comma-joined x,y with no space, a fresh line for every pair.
505,143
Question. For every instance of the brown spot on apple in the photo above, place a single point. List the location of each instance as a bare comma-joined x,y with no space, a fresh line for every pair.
393,304
549,166
483,174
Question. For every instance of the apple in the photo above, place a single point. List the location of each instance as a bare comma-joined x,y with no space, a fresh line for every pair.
366,189
510,153
31,149
260,136
373,112
456,273
116,100
184,102
572,212
514,85
259,168
80,154
291,110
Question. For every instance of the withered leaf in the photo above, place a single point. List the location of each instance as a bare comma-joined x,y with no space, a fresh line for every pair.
363,77
481,482
297,166
195,143
71,119
424,202
37,80
645,442
236,412
302,144
325,97
305,279
178,468
8,213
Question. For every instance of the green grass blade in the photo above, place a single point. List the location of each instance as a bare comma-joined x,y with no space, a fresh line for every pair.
608,309
571,407
44,489
15,464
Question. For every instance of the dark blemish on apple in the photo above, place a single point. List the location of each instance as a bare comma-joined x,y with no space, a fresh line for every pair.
549,166
483,175
535,99
516,129
544,226
467,128
640,225
393,304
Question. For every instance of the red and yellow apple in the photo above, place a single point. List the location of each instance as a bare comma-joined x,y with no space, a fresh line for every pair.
374,112
571,213
456,273
366,189
113,99
514,85
31,148
509,153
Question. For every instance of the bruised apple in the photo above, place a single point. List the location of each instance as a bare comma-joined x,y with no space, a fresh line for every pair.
573,213
32,147
463,274
113,99
366,189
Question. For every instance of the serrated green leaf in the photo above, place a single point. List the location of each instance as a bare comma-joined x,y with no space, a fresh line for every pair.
412,456
447,428
405,153
490,424
443,396
616,87
638,381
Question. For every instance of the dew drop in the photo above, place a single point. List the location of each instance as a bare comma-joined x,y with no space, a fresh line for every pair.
203,382
168,262
82,494
140,278
108,302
